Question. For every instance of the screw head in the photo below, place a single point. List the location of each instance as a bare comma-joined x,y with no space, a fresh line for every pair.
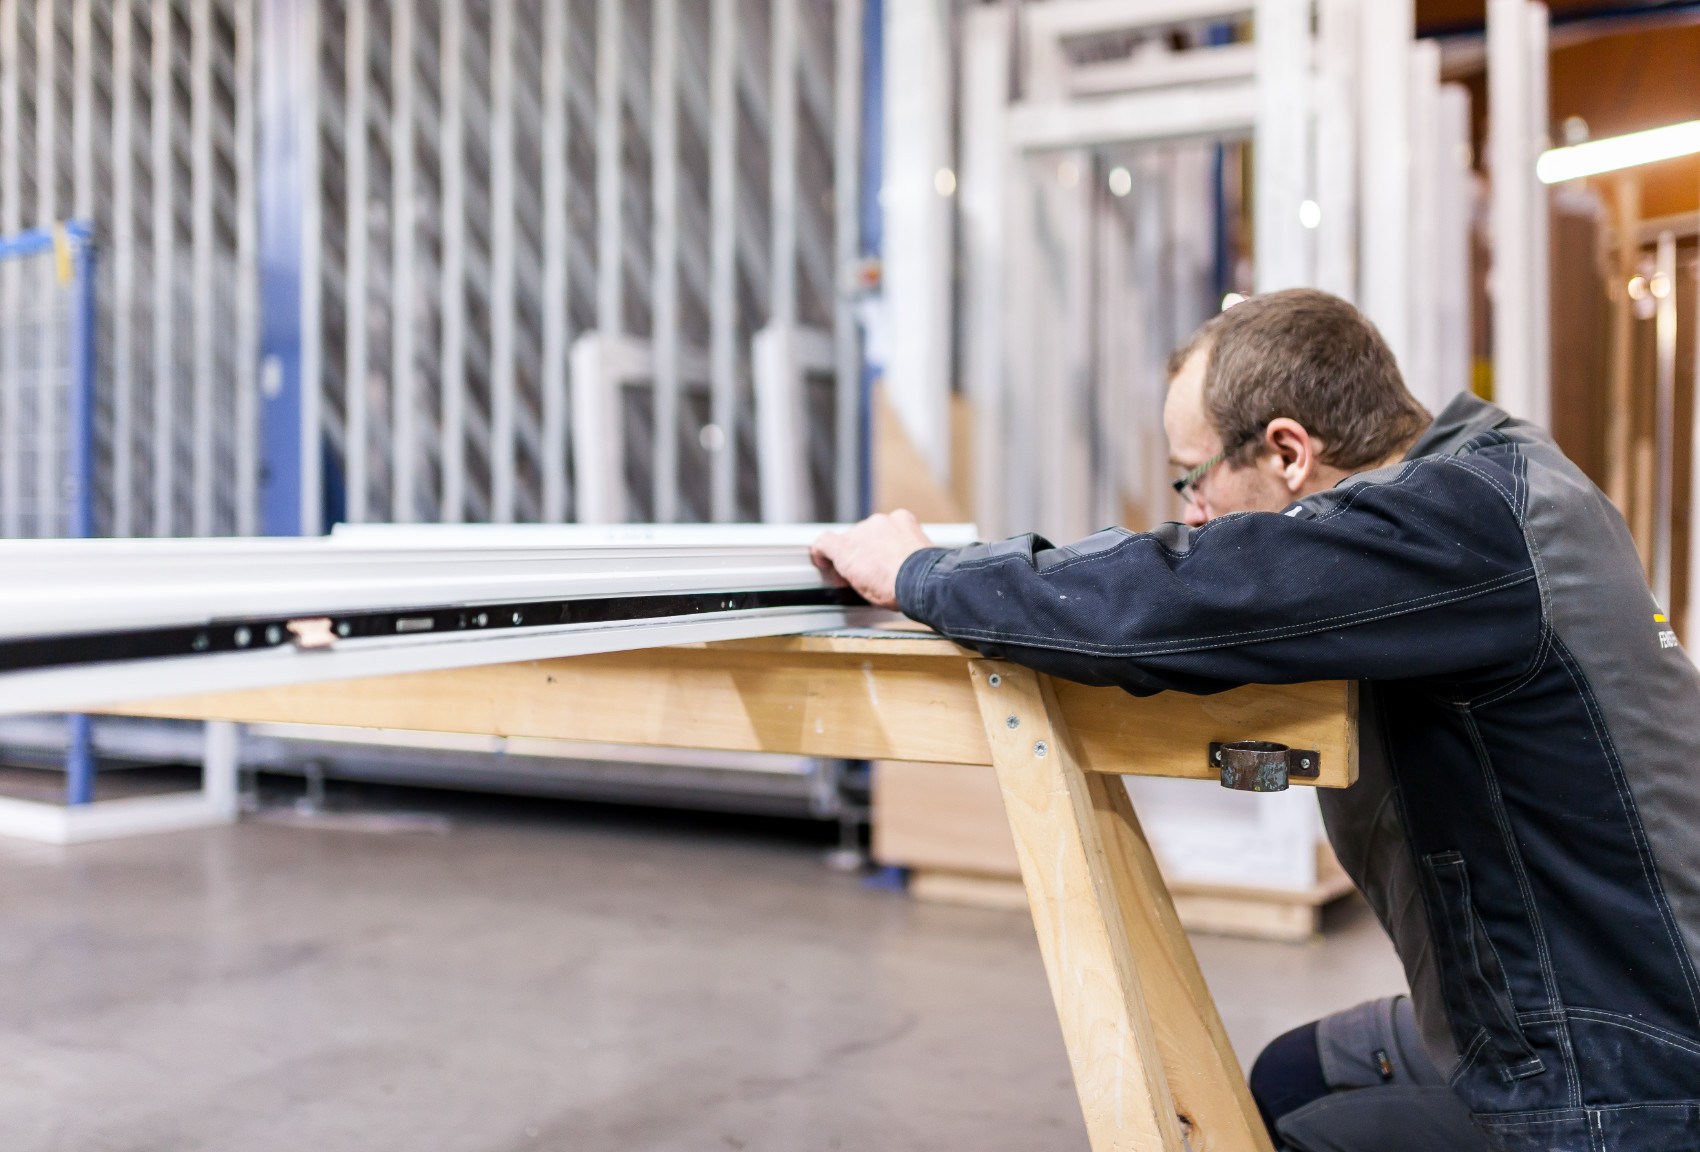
481,619
242,637
1304,761
1013,722
274,634
1040,748
994,679
518,617
344,628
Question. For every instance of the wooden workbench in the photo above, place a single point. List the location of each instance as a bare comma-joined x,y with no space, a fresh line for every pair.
1151,1060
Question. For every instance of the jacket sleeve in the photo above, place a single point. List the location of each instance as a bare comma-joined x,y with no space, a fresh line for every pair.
1417,571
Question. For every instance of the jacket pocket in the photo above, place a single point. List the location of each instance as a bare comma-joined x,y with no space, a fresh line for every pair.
1478,996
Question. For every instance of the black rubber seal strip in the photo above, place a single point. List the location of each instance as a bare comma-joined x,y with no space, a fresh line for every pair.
273,631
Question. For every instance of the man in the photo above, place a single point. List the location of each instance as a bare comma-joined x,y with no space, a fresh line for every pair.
1527,819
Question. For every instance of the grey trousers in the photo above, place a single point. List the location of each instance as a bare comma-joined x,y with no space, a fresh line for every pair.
1387,1095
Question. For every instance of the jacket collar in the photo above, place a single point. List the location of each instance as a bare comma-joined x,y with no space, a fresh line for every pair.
1461,421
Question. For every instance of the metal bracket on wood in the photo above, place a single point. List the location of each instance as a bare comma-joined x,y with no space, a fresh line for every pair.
1261,765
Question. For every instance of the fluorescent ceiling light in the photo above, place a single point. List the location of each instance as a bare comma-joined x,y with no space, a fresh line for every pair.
1616,152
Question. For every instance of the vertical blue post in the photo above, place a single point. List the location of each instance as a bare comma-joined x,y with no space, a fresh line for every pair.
79,760
81,422
872,224
79,753
282,139
1223,273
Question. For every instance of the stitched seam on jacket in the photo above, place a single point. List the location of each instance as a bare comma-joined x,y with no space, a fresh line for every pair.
1468,1059
1481,474
1562,1115
1263,635
1643,849
1652,1031
1549,975
1543,645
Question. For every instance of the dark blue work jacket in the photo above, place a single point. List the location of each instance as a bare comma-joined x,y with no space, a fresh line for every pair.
1527,818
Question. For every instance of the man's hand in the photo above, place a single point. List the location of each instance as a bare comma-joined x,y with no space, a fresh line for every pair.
868,556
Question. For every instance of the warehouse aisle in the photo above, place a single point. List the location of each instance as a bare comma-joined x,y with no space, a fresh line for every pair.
544,976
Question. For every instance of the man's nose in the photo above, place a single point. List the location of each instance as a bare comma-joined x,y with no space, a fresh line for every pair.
1194,516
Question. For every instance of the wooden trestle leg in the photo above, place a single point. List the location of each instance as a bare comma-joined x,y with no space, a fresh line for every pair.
1150,1057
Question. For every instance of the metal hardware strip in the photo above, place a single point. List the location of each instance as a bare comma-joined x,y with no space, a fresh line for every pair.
273,632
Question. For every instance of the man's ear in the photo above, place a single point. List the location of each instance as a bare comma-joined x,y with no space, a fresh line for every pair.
1292,450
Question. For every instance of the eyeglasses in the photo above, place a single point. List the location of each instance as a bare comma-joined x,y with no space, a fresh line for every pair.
1187,485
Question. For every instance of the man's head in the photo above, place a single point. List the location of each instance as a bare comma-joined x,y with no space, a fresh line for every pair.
1295,390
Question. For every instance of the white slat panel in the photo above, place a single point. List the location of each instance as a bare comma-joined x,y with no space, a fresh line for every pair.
357,438
1539,210
1423,288
312,288
44,505
1386,151
846,222
453,305
723,216
123,267
782,164
610,319
502,287
1336,148
404,310
1283,258
11,275
556,321
981,191
206,333
82,109
664,316
247,281
1509,91
162,252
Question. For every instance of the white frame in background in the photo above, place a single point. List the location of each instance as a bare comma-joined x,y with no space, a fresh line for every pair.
784,352
1353,117
215,803
1517,134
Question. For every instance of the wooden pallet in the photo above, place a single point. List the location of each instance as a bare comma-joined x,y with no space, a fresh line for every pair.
946,824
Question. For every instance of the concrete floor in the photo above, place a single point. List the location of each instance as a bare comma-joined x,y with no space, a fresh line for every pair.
547,976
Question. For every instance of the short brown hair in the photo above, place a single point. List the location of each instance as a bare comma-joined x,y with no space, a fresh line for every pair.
1310,357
